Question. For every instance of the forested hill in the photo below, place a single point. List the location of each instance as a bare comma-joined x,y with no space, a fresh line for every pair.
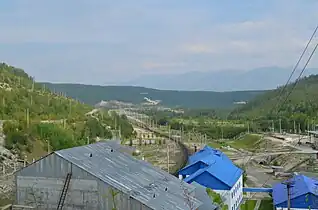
302,104
93,94
34,115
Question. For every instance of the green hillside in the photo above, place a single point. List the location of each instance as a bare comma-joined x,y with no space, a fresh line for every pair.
301,106
92,94
34,115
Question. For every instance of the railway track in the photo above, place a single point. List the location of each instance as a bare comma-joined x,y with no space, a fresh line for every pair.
185,152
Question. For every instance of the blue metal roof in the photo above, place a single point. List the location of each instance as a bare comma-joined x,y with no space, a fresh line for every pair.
257,190
217,164
301,185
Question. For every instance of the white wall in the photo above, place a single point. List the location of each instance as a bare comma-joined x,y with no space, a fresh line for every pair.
233,197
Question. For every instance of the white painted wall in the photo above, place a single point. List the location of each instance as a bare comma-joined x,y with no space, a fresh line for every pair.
233,198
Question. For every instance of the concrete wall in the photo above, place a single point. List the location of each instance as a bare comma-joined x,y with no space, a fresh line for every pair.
41,183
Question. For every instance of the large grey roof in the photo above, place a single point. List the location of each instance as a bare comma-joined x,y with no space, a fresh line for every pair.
137,178
203,196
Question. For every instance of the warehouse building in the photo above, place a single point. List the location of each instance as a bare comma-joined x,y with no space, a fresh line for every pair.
97,176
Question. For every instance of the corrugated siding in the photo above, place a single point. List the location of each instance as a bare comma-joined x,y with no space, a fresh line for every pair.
41,183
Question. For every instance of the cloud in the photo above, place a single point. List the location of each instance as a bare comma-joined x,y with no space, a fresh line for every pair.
121,39
154,65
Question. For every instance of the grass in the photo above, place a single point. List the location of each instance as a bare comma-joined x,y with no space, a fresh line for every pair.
214,144
266,205
248,142
5,201
39,150
248,205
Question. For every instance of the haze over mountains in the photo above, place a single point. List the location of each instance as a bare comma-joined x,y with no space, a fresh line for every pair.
228,80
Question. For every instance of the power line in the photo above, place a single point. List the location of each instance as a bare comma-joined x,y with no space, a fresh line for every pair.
297,64
293,87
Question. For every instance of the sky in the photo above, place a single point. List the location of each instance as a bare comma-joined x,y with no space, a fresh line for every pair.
108,42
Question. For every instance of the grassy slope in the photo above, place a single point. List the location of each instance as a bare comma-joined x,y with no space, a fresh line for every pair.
302,101
19,95
189,99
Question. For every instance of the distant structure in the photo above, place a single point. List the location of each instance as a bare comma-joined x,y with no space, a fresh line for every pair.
303,193
151,102
98,176
113,104
213,169
240,102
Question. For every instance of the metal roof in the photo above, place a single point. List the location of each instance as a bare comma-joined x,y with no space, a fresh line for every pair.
151,186
257,189
301,185
217,164
202,195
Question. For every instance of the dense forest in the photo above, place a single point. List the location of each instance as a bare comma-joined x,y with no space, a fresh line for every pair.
298,110
34,117
169,98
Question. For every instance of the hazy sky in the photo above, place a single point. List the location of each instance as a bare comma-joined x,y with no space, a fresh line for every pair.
104,41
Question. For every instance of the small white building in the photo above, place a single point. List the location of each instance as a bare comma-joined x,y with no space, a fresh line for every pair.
213,169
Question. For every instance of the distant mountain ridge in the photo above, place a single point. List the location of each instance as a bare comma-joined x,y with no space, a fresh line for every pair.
92,94
265,78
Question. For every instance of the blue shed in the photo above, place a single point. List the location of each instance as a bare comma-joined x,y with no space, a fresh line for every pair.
303,193
211,168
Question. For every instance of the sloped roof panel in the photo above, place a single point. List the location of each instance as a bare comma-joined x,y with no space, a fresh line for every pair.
219,165
301,185
151,186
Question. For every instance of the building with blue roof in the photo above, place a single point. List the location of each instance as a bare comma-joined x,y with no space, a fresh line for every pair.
303,193
211,168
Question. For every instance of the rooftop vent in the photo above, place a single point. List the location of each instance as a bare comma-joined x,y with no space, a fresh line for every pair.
166,189
218,153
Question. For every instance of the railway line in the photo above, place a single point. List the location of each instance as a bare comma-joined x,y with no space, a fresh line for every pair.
185,152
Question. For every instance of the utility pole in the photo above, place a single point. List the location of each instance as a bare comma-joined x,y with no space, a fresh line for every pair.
280,126
70,107
308,127
168,158
289,185
27,117
248,127
273,126
295,126
48,146
222,132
